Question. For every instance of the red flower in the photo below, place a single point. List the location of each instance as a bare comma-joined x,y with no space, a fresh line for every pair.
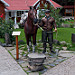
70,22
1,15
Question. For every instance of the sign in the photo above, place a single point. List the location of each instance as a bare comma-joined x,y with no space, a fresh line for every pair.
16,33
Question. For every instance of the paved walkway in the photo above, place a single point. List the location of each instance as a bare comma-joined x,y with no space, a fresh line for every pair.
8,66
65,68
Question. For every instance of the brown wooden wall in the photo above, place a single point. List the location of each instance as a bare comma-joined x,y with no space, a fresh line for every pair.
2,7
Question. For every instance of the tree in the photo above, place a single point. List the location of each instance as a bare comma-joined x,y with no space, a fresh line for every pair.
54,13
65,2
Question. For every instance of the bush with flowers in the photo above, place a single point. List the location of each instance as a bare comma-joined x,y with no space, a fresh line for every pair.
1,19
6,27
71,24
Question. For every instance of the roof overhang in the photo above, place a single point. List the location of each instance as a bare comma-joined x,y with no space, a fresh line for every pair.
15,10
53,5
6,4
59,7
36,2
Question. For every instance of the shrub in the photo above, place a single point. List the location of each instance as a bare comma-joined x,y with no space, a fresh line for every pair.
6,27
0,21
71,24
21,26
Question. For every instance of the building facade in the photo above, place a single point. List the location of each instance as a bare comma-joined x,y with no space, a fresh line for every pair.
15,8
2,11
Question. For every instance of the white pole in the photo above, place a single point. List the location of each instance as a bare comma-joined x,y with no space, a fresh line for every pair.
15,18
6,14
16,25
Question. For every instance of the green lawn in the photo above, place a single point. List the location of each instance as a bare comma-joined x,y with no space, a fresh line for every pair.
2,40
63,34
22,35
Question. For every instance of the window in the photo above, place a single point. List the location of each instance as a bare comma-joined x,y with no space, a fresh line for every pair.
9,14
19,13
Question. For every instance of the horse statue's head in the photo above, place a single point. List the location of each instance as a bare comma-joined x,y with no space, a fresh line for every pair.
32,14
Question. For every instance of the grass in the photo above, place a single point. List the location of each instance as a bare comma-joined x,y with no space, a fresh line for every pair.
63,34
22,35
2,40
71,47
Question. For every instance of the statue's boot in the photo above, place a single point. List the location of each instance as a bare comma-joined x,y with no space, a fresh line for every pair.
44,46
52,50
44,50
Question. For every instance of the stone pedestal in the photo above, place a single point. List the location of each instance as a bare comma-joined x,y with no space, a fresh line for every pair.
36,61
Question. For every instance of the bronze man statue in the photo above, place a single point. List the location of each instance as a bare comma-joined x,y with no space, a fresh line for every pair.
47,24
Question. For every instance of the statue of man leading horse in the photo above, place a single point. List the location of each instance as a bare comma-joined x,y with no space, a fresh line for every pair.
30,28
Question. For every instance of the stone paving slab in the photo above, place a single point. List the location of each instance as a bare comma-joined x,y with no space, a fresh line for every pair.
8,66
65,68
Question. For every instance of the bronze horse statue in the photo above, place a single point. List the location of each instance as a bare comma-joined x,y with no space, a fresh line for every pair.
30,28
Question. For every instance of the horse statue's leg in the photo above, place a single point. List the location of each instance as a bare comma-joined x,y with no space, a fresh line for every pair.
27,39
28,48
33,48
34,42
30,44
